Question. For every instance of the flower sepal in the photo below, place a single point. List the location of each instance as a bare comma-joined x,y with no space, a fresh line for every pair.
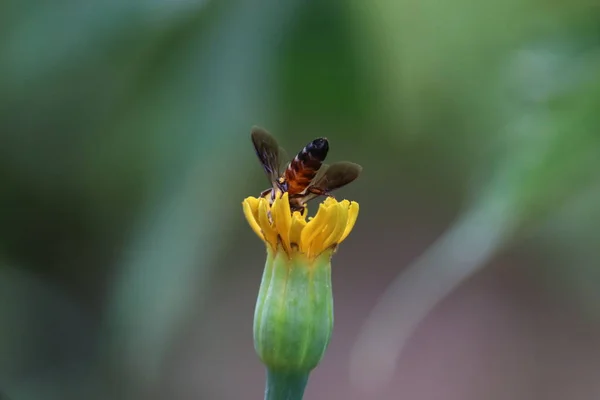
293,318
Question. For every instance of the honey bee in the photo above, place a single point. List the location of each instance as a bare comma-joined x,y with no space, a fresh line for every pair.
306,176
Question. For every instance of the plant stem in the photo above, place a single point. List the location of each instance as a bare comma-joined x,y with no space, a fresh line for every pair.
285,385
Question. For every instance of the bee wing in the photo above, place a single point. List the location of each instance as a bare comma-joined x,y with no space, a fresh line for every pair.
284,159
333,177
320,175
337,175
268,152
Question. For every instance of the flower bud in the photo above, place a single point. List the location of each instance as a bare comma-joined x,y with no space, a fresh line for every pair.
293,319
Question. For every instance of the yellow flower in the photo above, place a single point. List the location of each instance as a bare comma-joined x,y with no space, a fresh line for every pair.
293,233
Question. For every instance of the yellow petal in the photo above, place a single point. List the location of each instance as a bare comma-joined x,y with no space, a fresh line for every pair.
250,206
315,226
352,216
282,217
298,225
253,204
318,244
338,230
329,201
265,225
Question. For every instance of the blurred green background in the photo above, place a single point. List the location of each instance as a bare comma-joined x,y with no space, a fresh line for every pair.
128,271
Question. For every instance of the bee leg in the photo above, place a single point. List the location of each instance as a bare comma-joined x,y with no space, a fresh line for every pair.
265,192
320,192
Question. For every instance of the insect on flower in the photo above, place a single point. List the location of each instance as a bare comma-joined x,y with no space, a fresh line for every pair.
306,176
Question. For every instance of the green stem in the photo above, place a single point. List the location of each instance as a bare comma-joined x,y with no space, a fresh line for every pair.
285,385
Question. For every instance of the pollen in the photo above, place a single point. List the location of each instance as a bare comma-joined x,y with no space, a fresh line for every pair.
292,233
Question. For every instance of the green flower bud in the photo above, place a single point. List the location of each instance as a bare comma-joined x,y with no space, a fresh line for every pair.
293,319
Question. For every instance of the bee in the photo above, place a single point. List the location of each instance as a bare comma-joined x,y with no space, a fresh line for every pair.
306,176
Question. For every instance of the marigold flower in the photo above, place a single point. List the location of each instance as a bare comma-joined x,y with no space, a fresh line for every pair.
330,226
293,318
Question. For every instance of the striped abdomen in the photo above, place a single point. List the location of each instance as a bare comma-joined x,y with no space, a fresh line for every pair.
304,167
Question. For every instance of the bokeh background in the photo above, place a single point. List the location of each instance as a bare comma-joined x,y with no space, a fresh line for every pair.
127,270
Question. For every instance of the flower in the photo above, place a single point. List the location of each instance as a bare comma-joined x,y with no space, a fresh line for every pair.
293,233
293,318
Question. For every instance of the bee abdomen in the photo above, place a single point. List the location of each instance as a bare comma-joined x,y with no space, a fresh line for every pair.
304,167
